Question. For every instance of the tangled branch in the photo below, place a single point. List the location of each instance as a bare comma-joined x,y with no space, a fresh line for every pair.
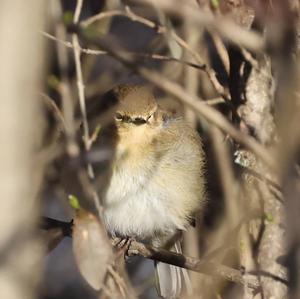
172,258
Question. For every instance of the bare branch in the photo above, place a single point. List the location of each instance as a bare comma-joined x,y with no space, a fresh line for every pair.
225,27
70,45
193,102
135,54
180,260
160,29
80,86
64,86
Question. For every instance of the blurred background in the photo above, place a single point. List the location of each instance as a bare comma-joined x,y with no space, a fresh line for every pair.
234,67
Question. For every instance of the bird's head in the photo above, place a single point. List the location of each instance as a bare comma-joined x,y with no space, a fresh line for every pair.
137,110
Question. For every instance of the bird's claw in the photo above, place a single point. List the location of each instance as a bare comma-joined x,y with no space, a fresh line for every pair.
123,245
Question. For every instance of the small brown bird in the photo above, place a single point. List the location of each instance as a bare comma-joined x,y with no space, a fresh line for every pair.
157,182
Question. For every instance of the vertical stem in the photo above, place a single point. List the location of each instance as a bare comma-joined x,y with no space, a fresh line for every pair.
21,60
80,86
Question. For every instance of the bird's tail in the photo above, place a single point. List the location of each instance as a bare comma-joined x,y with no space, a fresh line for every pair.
169,278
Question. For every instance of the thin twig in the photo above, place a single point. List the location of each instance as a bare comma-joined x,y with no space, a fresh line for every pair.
248,56
64,85
50,223
119,280
228,181
135,54
70,45
160,29
80,86
50,103
194,102
128,14
225,27
221,50
215,101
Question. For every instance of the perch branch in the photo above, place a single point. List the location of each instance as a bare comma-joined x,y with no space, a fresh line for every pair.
162,255
180,260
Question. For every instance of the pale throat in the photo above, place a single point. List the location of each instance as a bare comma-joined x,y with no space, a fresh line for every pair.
135,142
136,135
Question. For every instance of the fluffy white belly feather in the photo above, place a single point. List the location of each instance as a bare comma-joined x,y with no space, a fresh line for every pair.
135,205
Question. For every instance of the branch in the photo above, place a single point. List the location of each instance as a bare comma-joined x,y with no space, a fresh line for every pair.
172,258
180,260
153,56
226,28
70,45
160,29
192,101
64,88
80,86
50,223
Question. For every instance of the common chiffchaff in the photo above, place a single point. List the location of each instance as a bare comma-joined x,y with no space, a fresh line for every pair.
157,182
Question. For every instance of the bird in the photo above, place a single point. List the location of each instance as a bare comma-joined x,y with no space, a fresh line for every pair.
157,180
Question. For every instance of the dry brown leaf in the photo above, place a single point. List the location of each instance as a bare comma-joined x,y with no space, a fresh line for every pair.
92,249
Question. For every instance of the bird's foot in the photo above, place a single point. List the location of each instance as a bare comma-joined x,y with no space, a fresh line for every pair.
123,245
115,241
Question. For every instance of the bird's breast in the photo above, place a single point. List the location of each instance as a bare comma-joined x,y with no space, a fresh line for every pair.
135,205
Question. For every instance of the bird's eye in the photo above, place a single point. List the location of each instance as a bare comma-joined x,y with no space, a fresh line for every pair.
118,117
139,121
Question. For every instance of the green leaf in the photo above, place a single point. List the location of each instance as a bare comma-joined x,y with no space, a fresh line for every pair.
53,81
269,217
68,17
91,32
74,202
97,129
215,3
